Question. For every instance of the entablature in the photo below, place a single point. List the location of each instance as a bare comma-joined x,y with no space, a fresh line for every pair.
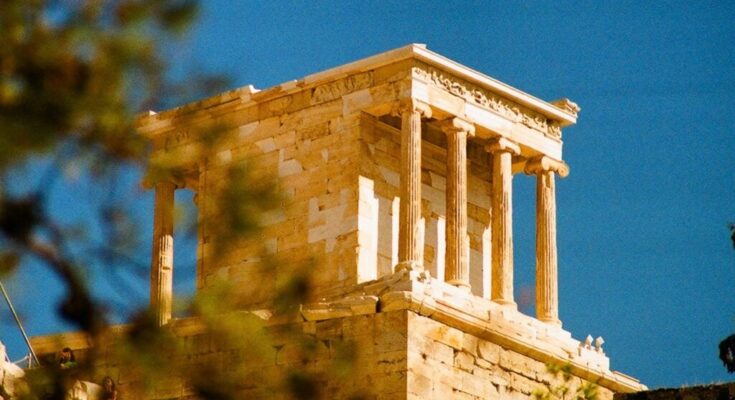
372,85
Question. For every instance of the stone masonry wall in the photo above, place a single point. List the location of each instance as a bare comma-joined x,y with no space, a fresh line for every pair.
308,140
369,355
312,153
446,363
357,357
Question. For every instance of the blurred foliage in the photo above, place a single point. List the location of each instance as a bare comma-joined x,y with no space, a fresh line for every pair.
73,76
565,388
727,353
727,345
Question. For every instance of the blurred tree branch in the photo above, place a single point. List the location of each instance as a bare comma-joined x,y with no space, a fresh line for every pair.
73,76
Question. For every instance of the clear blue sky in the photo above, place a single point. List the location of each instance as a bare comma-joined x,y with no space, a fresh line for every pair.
645,257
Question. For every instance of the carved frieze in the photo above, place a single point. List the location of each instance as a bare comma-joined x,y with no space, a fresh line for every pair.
485,98
279,105
178,137
554,129
333,90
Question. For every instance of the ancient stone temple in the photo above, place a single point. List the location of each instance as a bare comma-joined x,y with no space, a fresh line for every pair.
397,172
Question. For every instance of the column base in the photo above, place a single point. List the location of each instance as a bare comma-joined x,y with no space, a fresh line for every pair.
551,321
506,303
408,266
462,285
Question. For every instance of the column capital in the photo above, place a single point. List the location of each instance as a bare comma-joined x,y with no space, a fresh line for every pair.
456,124
151,180
502,145
541,164
410,104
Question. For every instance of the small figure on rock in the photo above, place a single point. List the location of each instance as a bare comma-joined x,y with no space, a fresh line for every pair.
109,392
67,359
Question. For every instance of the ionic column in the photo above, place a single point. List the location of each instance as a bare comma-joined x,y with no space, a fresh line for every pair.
457,268
162,262
547,292
501,199
410,240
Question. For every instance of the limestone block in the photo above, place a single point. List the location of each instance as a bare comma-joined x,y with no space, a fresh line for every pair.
387,94
524,385
433,196
318,314
470,344
433,350
314,115
315,131
357,101
443,334
359,325
390,339
464,361
360,304
441,390
288,167
519,363
390,175
393,72
310,160
328,328
389,386
477,386
499,377
489,351
285,139
477,193
390,361
437,181
420,384
393,301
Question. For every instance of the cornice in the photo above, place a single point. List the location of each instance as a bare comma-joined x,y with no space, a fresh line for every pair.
485,98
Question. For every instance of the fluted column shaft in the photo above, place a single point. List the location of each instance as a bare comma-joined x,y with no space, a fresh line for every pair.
457,268
501,199
410,240
162,262
547,292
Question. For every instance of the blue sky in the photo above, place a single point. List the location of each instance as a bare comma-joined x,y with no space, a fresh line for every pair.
644,253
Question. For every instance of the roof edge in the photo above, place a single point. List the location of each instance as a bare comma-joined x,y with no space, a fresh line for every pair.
555,111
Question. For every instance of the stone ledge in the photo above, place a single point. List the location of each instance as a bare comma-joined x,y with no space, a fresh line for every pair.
426,296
